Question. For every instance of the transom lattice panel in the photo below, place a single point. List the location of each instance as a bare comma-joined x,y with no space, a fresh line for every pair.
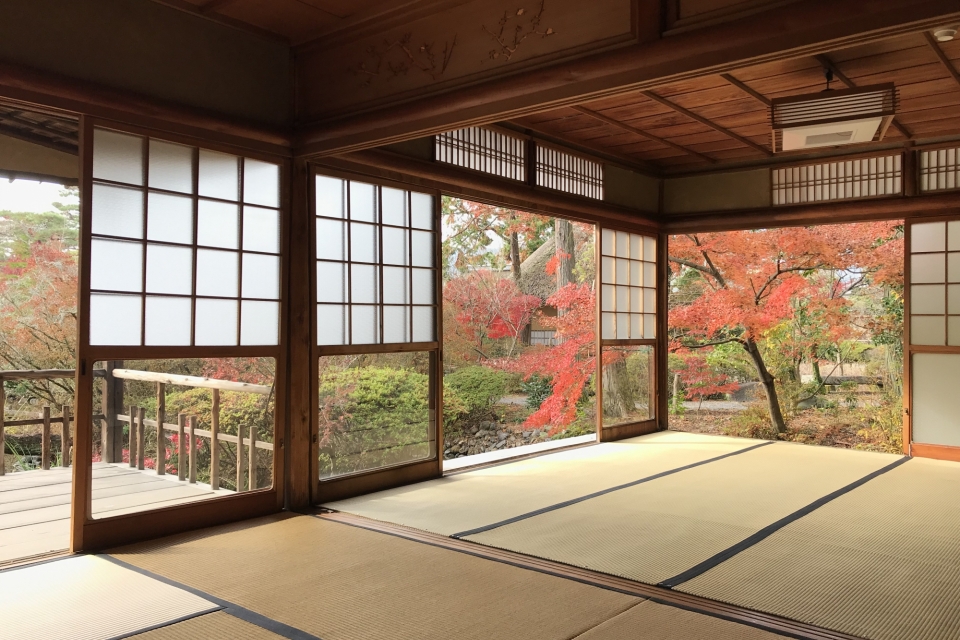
566,172
484,150
940,169
841,180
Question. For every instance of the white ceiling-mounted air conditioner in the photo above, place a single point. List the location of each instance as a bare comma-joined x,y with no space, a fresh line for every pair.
833,118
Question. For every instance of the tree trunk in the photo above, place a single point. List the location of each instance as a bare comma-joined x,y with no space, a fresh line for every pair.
815,363
766,379
618,402
515,256
676,392
563,233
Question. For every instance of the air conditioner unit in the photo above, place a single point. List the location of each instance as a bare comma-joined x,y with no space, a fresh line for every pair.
833,118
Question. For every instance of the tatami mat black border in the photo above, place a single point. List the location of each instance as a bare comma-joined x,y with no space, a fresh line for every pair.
596,494
162,625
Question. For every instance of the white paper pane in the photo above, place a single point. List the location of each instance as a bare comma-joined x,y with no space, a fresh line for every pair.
649,274
953,235
623,299
117,157
649,326
363,242
365,323
394,207
928,236
636,300
927,330
423,249
331,324
607,240
216,322
168,321
363,202
953,331
927,268
608,297
649,249
169,269
608,326
623,245
928,299
936,378
953,267
331,282
649,300
115,320
953,298
421,211
261,183
171,166
330,198
636,325
395,247
219,175
116,265
331,240
218,224
170,218
396,285
259,323
396,325
607,270
623,271
636,273
117,211
364,283
261,229
424,329
623,325
261,278
217,273
636,247
424,286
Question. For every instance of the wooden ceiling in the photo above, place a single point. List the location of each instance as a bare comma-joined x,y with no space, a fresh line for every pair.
724,119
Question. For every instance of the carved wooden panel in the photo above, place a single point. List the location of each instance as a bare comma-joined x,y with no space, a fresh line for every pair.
687,13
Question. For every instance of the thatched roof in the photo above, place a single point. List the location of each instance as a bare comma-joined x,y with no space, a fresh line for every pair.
534,279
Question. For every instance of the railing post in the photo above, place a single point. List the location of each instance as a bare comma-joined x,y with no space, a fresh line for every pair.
182,441
3,414
141,437
45,441
252,466
65,437
193,449
239,458
111,440
133,436
214,442
161,436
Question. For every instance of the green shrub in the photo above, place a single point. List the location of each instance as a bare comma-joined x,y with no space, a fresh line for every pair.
478,388
537,389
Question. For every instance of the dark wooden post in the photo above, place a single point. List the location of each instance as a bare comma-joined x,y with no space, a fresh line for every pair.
65,437
252,466
193,449
133,436
161,436
45,442
112,432
182,441
239,458
141,437
214,442
3,445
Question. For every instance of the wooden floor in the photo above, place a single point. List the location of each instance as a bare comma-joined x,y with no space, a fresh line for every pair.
35,505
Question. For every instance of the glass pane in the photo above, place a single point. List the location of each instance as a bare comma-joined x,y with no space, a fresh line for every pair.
117,157
636,300
363,202
607,239
636,326
650,300
623,299
927,268
331,282
953,267
261,229
953,298
170,218
628,384
364,283
116,265
356,434
953,235
261,277
261,183
117,211
424,329
365,323
623,326
928,236
169,269
649,274
363,243
649,326
423,249
394,203
623,271
608,326
636,247
115,320
171,166
927,330
331,240
421,213
636,273
219,175
396,325
259,323
395,248
953,331
424,286
607,269
608,298
331,324
649,249
216,322
928,299
167,321
396,285
330,197
217,273
218,224
623,245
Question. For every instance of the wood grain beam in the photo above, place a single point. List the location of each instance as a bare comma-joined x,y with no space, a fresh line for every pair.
942,57
709,123
188,7
746,89
624,126
828,64
212,6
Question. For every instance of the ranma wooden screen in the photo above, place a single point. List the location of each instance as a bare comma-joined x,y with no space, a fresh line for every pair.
940,169
484,150
566,172
841,180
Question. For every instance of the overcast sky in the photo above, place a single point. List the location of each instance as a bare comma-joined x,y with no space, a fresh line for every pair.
26,195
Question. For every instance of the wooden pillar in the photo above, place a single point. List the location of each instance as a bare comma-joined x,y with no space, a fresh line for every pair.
3,445
45,442
65,437
239,458
182,441
161,434
215,442
111,435
141,438
193,449
132,454
252,466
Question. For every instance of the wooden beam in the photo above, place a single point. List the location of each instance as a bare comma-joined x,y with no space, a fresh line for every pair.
941,56
189,7
828,64
709,123
212,6
622,125
746,89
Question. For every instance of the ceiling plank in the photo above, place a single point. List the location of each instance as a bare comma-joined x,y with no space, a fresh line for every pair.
750,143
213,5
828,64
942,57
746,89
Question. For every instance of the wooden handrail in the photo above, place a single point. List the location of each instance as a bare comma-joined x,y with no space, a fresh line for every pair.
42,374
191,381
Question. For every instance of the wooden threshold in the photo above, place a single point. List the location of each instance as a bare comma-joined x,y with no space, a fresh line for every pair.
697,604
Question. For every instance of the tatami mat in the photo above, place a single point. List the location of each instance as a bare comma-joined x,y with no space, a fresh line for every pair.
654,531
212,626
87,598
478,498
882,562
340,582
652,621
